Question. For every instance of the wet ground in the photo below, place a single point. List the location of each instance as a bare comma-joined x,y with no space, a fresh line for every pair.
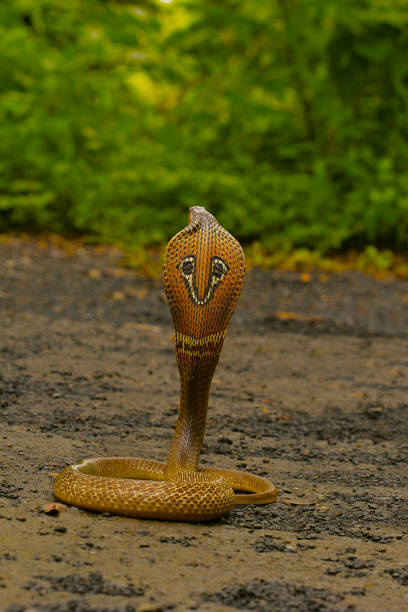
311,392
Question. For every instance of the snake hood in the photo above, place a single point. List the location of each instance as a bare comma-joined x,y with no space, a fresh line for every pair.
204,269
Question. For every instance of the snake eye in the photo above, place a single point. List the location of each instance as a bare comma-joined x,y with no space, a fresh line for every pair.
187,266
219,268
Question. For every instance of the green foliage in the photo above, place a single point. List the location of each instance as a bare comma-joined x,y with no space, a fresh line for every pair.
288,119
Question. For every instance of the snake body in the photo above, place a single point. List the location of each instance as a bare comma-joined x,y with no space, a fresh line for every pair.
203,274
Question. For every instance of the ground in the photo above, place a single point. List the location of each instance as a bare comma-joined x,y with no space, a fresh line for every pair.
311,392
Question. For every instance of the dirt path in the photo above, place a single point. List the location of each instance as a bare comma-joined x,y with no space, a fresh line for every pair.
316,402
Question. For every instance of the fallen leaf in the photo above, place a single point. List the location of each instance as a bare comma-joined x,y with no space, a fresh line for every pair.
146,327
54,508
95,273
118,295
395,372
137,293
118,272
293,316
297,502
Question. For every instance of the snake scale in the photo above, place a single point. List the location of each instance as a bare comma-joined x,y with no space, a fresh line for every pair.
203,273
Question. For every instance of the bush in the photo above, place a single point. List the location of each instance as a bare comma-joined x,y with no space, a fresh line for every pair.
287,119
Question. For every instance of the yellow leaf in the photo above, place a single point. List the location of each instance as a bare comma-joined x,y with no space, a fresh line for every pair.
293,316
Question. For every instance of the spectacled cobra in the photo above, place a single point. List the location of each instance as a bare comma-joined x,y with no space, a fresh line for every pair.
204,269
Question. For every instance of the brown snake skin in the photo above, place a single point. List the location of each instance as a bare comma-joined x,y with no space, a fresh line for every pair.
204,269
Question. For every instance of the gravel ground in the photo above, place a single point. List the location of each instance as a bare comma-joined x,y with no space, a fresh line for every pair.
311,391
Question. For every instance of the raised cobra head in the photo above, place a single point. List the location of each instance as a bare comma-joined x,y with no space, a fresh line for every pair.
204,269
203,275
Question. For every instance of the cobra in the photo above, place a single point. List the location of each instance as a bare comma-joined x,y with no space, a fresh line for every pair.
204,268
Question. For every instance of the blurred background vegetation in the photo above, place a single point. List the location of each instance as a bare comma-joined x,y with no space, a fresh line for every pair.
288,119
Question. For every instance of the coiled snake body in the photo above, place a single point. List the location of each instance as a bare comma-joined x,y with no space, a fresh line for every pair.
204,269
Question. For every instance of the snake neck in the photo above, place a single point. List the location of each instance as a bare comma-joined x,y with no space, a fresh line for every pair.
203,273
196,366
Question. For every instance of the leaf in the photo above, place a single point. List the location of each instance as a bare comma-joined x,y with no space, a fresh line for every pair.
292,316
298,502
54,508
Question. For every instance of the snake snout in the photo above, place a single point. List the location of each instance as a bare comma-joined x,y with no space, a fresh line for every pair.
195,212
